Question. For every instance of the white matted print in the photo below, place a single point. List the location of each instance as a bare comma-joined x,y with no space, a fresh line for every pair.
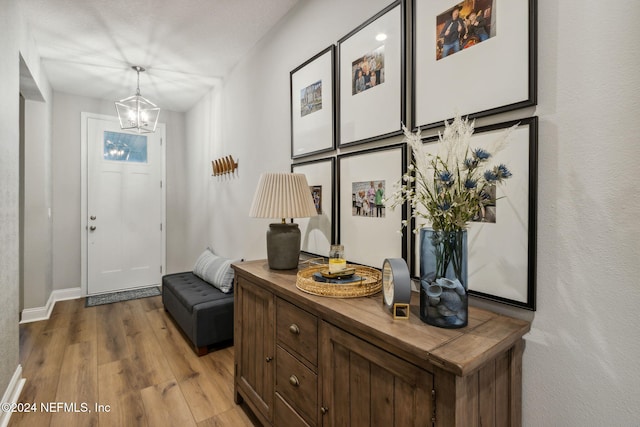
317,232
494,74
312,105
371,79
501,253
369,239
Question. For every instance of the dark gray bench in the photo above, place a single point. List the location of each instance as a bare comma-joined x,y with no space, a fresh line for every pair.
204,314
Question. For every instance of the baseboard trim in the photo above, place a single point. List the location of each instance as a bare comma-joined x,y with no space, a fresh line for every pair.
43,313
12,394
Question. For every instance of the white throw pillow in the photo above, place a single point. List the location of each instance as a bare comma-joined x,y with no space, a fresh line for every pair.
215,270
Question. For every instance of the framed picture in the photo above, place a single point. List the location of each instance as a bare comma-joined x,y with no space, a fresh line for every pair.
368,230
371,78
318,231
502,241
312,105
475,58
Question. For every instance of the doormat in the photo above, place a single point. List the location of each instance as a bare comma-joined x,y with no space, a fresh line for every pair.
94,300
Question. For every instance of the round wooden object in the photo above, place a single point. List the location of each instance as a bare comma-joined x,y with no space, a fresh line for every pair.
370,284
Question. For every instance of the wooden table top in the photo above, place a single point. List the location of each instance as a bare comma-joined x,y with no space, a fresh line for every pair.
460,351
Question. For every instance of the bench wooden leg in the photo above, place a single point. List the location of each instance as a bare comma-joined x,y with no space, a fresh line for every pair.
202,351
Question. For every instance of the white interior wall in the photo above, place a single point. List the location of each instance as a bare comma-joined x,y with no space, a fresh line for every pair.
16,42
37,273
37,256
580,364
254,116
67,175
190,186
9,186
580,361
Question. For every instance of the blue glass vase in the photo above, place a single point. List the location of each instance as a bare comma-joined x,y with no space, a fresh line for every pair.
443,278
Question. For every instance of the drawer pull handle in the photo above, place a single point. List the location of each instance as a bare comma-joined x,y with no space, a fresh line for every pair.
293,380
294,329
324,410
269,359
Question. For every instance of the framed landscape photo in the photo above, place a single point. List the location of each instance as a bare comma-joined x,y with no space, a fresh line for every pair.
317,233
371,64
473,57
502,239
369,231
312,105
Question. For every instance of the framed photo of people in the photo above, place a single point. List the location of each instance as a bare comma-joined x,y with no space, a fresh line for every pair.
371,78
369,231
502,239
473,57
313,106
317,233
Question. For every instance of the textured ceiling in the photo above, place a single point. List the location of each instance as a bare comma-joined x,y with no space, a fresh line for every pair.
187,46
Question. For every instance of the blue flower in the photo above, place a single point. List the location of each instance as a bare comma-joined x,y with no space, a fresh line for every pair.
470,183
446,178
503,172
481,154
444,206
470,163
490,176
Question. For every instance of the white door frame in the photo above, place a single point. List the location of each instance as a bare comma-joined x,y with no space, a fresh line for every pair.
84,227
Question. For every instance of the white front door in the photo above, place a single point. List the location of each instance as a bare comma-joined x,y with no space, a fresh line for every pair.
124,208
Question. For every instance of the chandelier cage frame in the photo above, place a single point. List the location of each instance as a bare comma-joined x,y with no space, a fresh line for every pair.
136,112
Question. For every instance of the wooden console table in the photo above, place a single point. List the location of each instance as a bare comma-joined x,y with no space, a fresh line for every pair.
305,360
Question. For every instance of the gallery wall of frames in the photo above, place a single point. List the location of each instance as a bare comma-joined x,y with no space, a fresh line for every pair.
418,63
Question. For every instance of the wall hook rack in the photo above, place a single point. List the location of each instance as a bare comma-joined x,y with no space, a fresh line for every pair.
223,166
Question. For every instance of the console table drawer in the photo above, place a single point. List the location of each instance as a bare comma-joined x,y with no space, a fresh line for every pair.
286,416
297,384
297,330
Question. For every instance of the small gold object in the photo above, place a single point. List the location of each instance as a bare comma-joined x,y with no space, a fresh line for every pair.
337,274
400,311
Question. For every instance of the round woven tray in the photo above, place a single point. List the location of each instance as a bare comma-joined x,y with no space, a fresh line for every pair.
370,284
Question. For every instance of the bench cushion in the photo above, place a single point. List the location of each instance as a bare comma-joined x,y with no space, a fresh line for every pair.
190,290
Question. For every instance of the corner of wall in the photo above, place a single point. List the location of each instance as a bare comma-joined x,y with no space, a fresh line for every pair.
9,187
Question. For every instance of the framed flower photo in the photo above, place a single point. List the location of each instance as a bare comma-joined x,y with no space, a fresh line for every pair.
313,106
318,232
369,231
371,82
501,238
478,57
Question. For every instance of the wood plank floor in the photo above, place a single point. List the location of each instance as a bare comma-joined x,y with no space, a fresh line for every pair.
129,356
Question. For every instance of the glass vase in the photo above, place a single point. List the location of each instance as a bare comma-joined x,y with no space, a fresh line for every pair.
443,278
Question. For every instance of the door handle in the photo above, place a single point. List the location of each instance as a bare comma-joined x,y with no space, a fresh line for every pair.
92,228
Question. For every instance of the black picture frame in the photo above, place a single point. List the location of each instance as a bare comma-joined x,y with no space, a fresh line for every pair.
369,239
375,112
508,62
313,130
318,233
527,132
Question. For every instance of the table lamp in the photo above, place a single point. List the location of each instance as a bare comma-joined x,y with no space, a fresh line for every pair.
283,195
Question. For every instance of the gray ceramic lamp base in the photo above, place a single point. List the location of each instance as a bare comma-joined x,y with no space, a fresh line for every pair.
283,246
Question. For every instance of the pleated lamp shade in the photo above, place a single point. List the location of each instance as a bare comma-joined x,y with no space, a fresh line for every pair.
282,195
